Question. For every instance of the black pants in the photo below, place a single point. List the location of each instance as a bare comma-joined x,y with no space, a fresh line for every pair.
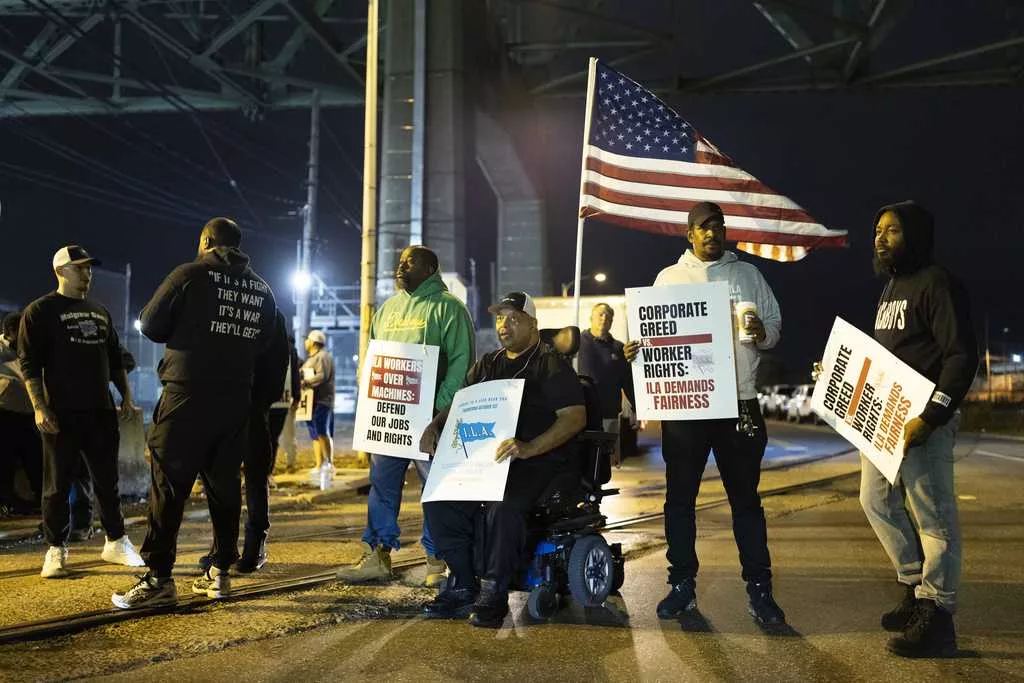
452,523
259,463
195,432
88,437
685,447
276,417
22,447
80,502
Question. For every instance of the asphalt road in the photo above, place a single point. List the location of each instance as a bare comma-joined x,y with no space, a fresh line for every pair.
832,579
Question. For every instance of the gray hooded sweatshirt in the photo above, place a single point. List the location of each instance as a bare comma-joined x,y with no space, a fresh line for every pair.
745,284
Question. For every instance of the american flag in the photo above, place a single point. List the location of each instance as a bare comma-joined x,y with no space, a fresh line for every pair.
645,168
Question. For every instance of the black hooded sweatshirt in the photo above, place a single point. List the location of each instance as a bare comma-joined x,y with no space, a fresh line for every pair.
924,318
216,317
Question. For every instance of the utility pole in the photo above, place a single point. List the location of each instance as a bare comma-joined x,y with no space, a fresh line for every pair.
368,275
309,222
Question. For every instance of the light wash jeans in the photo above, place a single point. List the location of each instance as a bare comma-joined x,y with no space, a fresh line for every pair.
916,519
387,478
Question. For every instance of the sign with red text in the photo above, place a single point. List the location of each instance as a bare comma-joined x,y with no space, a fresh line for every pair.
396,398
867,395
686,369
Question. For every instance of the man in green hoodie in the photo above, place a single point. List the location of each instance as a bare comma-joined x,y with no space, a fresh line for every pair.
423,311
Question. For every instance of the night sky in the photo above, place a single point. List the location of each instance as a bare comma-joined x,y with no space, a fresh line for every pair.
960,152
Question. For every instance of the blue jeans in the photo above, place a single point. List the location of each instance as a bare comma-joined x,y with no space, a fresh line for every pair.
387,477
916,519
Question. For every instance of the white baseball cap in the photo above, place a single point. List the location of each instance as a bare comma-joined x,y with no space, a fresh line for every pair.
317,337
72,254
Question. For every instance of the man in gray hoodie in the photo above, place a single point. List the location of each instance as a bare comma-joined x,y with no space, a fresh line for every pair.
738,444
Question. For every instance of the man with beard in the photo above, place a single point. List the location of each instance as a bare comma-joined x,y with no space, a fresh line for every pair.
217,318
924,319
738,444
551,413
422,312
69,354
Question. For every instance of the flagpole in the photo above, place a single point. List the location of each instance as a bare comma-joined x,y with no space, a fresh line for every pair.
591,71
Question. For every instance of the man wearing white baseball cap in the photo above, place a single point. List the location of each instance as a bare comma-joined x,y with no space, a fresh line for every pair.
69,353
318,373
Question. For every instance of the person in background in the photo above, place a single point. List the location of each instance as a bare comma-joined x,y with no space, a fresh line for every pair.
601,358
317,373
21,446
282,411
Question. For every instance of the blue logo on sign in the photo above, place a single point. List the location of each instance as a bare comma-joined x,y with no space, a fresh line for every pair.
475,431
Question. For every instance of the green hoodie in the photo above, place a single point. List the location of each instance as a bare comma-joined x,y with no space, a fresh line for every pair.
431,315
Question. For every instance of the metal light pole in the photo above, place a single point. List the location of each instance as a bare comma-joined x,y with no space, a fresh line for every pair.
368,276
309,222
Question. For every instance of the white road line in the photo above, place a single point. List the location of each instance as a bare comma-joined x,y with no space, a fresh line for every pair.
998,455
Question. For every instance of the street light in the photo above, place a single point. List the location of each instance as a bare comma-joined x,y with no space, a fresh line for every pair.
596,277
301,280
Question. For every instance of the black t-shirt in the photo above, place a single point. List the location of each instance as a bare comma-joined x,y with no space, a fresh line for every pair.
72,345
550,386
604,361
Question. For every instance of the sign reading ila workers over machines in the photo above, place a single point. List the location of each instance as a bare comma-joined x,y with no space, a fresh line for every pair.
396,398
685,369
867,395
482,416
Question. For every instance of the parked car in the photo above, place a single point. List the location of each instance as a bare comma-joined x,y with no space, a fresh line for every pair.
775,404
798,407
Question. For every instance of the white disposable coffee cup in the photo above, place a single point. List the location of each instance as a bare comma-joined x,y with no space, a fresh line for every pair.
745,312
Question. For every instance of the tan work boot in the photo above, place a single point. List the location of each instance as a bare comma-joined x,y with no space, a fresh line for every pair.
437,572
374,565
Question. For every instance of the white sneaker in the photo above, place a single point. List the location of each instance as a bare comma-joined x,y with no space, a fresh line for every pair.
121,551
215,583
53,565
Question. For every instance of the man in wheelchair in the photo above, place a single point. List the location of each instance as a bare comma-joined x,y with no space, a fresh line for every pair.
551,414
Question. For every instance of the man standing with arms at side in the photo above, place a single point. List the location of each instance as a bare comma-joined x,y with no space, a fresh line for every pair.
282,411
603,360
69,354
422,312
924,319
318,374
738,444
216,317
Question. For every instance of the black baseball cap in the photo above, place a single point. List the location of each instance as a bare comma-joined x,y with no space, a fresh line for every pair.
700,213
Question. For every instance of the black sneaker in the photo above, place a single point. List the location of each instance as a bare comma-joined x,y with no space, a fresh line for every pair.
898,618
148,592
491,607
451,603
254,555
206,561
681,599
930,633
762,605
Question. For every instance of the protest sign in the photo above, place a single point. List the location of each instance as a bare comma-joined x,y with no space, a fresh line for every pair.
304,411
686,368
396,398
867,395
481,417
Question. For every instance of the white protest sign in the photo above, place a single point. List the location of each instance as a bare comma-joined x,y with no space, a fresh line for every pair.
396,398
481,417
867,395
304,411
686,368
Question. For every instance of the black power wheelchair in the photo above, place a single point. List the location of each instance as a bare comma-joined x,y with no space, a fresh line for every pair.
566,554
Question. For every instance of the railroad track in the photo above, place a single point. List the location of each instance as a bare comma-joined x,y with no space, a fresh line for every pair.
57,626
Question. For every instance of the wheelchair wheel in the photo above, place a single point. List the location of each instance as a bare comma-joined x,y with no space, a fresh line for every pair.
591,571
542,602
